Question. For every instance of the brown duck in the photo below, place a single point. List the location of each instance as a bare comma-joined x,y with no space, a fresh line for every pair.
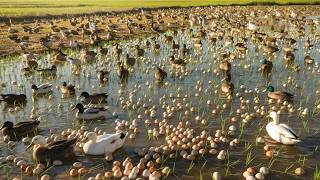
225,66
160,74
47,153
19,130
13,98
67,89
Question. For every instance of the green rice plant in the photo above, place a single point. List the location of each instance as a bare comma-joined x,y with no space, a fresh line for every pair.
249,159
316,174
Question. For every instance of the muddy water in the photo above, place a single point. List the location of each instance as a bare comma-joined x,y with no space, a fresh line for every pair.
55,112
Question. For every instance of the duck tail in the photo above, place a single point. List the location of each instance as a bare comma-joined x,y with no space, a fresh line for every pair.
296,140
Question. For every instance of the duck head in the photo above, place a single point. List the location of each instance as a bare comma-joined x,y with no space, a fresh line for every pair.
64,84
37,140
270,88
7,124
34,87
84,94
274,116
80,107
265,61
171,58
92,136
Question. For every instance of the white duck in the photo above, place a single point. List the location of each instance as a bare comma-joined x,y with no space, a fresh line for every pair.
41,89
281,133
103,144
92,113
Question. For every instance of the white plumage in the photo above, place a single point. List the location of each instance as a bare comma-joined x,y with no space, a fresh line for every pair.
103,144
281,133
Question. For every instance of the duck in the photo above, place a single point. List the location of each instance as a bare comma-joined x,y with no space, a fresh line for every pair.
227,86
179,64
130,61
60,57
41,89
92,113
47,153
94,98
279,94
308,60
104,144
13,98
160,74
138,51
102,75
225,66
281,133
48,71
20,129
289,58
67,89
32,64
103,50
88,56
122,72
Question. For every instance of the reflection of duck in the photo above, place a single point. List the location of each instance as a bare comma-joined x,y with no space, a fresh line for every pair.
104,144
92,113
94,98
266,67
281,133
13,98
279,94
19,130
48,71
47,153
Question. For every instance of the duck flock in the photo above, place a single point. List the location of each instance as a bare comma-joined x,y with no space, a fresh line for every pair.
186,93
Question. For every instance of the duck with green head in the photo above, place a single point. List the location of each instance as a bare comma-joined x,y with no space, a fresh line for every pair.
282,95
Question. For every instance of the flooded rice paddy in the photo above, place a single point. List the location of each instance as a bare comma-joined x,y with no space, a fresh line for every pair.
187,119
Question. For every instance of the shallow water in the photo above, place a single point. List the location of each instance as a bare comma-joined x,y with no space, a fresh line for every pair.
54,112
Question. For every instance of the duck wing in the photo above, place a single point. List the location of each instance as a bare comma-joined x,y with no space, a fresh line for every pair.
288,131
60,145
27,123
44,86
103,136
288,94
92,110
101,95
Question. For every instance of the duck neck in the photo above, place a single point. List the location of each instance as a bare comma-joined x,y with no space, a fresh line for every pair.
276,119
